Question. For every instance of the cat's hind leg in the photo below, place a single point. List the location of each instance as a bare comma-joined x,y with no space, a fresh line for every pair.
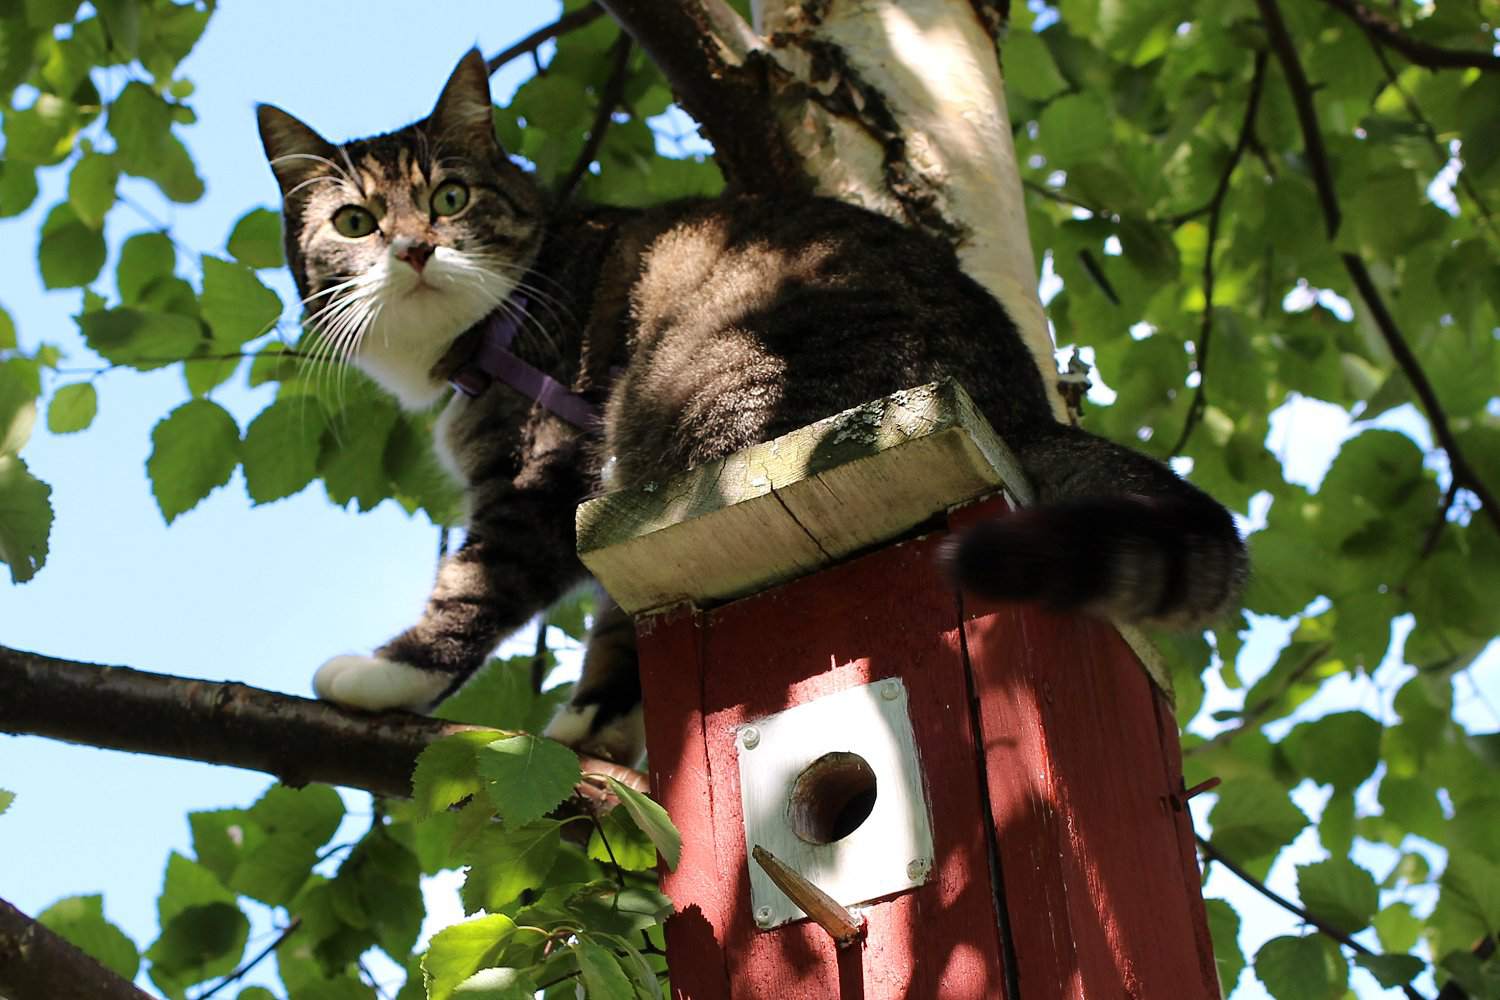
604,718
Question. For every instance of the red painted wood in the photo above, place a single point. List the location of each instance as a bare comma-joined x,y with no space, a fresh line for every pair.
1097,860
1041,738
887,614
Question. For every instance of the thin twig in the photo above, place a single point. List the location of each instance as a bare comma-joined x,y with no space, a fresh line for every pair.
535,40
1465,183
1420,52
1215,210
1323,926
1052,194
1401,352
260,956
609,100
1250,716
539,656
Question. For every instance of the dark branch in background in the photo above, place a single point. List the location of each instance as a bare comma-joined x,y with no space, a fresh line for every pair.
1422,53
1215,210
1428,129
36,963
535,40
1052,194
1213,853
712,60
609,99
260,957
298,740
1317,158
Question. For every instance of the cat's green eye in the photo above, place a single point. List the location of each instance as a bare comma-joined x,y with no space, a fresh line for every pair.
450,198
354,222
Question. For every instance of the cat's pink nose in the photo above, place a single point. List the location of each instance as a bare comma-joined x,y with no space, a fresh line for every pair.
415,254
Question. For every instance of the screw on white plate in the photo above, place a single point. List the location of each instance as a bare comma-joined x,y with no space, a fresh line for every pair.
917,869
890,690
763,916
749,737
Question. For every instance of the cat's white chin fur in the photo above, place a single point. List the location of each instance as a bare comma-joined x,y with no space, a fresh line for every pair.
622,740
419,318
374,684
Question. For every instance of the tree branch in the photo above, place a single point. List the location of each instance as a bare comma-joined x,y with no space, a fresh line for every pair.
38,964
298,740
1215,210
1325,928
609,100
1419,52
714,64
535,40
1405,358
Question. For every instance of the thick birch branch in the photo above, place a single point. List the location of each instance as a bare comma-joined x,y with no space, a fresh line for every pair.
37,964
711,58
298,740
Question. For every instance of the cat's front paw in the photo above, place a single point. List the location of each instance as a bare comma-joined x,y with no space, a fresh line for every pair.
371,683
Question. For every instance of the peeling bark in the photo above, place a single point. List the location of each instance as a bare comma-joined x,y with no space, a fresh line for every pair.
900,107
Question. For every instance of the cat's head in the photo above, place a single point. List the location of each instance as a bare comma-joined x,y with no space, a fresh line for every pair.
401,242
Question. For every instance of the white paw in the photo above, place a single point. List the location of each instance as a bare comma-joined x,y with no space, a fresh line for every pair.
372,683
621,739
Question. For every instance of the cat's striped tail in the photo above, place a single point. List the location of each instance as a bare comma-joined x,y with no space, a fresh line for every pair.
1113,533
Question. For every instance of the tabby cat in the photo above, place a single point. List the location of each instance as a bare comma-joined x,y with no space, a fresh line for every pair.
693,329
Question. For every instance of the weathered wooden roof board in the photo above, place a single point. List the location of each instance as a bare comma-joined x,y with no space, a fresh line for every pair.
796,503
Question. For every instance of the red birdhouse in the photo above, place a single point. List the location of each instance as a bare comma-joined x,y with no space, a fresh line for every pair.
980,801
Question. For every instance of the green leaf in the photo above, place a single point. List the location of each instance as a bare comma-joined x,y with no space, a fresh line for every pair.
1341,748
236,305
198,943
296,823
20,385
1253,819
1301,968
6,798
193,452
378,890
17,187
1074,128
71,252
497,984
1471,893
1224,929
653,821
281,448
447,771
528,776
80,920
256,239
72,408
607,908
1391,971
255,993
25,519
505,862
500,696
143,340
353,463
1029,68
603,979
460,951
91,188
42,134
144,258
1339,892
140,121
618,840
7,331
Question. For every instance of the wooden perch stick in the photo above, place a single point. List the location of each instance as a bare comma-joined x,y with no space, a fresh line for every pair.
37,964
298,740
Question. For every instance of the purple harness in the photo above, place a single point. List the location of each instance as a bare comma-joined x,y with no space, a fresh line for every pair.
494,361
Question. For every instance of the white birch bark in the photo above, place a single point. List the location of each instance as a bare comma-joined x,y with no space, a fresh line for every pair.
899,106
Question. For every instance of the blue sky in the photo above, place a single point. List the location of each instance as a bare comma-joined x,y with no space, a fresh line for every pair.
264,595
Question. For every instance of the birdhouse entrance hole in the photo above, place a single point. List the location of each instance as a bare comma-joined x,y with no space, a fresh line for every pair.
831,797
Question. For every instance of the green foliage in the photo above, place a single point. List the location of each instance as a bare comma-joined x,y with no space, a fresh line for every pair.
1128,120
80,920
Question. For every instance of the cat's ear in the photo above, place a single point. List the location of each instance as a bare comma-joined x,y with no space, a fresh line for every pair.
464,115
296,152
